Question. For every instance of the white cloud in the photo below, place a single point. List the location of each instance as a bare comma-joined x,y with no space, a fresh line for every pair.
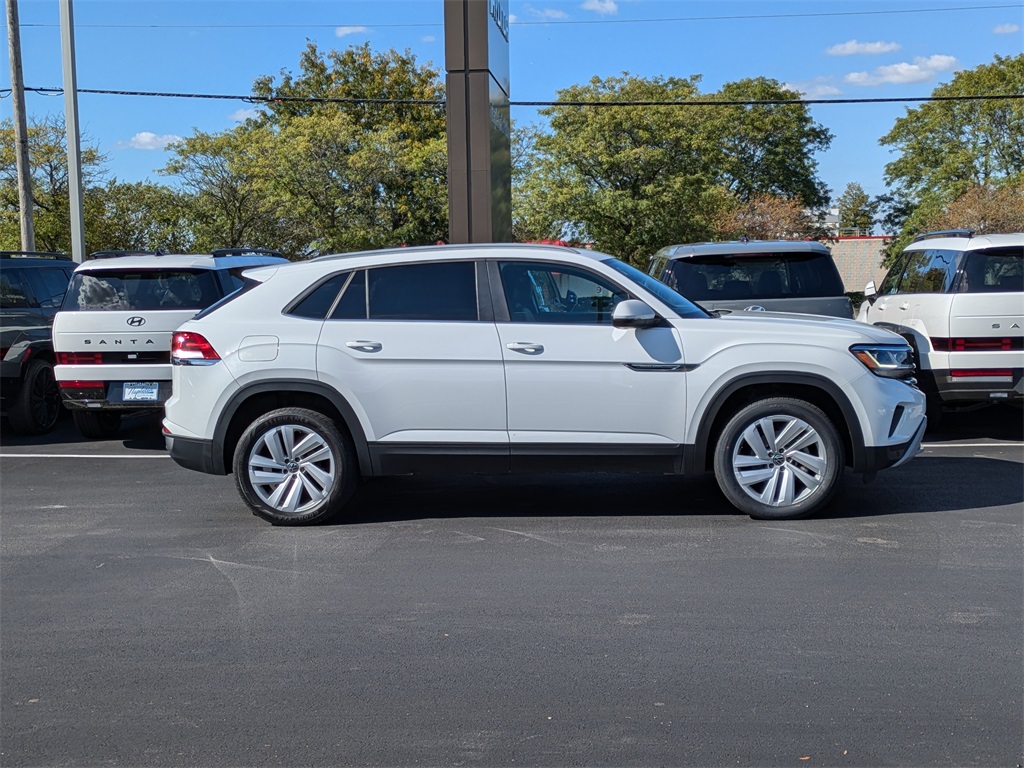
428,39
814,89
512,18
549,13
853,47
241,115
603,7
1007,29
149,140
922,70
343,31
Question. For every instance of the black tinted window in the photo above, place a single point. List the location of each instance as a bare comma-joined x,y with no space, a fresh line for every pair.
444,291
996,270
352,305
128,290
317,303
795,275
51,285
13,291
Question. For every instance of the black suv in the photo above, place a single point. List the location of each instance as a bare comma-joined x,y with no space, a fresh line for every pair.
32,286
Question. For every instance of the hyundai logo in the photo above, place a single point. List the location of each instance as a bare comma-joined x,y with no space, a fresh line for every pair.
136,321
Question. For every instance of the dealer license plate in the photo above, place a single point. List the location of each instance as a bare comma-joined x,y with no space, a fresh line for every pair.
140,391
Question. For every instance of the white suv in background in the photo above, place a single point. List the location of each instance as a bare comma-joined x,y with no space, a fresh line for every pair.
959,300
494,359
112,335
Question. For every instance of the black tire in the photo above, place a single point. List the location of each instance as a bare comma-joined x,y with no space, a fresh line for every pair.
306,464
37,405
936,412
771,479
97,425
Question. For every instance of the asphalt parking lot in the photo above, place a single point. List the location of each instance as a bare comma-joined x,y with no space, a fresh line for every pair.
148,619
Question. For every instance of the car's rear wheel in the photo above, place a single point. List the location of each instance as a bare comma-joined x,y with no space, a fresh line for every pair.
779,459
97,425
293,466
36,407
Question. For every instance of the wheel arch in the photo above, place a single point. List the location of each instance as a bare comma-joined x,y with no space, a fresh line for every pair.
253,401
743,390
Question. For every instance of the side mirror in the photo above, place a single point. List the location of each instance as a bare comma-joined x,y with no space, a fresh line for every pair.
633,313
870,292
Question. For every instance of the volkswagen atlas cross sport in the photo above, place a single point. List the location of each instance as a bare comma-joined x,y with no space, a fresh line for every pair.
112,336
958,299
519,358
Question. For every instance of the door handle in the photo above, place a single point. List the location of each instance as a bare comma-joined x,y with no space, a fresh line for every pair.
905,305
364,346
530,347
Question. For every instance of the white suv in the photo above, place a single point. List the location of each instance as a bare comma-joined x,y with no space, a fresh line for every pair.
958,299
112,335
514,358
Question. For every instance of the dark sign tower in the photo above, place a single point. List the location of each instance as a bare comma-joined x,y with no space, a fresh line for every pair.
479,127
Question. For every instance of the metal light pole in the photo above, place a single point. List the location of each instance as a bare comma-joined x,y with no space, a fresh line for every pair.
28,233
67,36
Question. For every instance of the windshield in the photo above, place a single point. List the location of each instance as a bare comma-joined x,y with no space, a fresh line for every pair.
679,304
110,290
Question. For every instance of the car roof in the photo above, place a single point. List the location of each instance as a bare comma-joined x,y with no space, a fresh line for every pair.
34,259
965,242
743,248
170,261
465,250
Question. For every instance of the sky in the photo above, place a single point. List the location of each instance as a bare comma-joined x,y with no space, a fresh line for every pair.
826,49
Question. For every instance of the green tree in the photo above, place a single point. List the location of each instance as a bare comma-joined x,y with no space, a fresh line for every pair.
48,160
634,178
856,209
946,147
141,216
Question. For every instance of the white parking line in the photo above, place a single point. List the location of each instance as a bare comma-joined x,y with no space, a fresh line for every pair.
973,445
81,456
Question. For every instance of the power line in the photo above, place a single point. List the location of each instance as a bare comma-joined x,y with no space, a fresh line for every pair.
439,102
547,22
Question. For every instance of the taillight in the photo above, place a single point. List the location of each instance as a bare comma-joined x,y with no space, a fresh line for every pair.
80,358
82,384
1004,344
187,347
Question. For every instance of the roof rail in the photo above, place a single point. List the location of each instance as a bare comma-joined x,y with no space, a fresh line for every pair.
218,252
117,254
968,233
34,255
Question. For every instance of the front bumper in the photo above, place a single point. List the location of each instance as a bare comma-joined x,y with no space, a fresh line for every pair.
888,456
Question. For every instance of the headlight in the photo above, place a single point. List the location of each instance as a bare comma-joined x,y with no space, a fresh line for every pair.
894,361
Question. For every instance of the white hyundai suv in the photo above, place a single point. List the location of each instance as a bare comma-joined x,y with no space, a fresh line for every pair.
112,335
958,299
515,358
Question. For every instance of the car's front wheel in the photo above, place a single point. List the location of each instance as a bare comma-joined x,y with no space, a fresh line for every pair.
779,458
36,406
293,466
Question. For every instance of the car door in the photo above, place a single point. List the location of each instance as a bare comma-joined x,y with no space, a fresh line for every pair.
416,347
580,391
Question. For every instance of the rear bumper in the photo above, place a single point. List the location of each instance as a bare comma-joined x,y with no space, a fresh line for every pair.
195,454
974,389
111,397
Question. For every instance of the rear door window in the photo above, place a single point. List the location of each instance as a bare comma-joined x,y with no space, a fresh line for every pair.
14,293
140,289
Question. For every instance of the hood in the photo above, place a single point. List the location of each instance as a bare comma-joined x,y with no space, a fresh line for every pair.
810,327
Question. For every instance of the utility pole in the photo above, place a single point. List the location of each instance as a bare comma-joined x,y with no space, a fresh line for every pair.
28,232
67,37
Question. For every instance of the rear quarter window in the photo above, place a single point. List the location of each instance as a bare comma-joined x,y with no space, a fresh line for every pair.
993,270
